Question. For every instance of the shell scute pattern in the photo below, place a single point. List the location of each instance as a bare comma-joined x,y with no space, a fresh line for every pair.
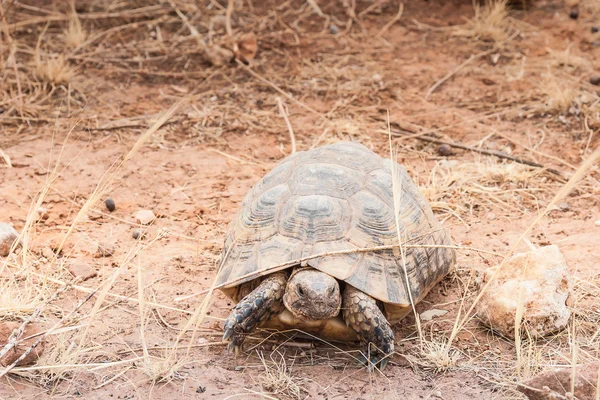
258,218
314,218
350,155
339,198
325,179
374,224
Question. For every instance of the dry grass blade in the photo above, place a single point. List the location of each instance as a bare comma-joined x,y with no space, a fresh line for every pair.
392,22
397,197
75,35
288,124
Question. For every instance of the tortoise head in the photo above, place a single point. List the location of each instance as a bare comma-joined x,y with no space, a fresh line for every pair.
312,294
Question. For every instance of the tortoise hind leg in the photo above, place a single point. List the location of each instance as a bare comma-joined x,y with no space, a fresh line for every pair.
258,306
364,317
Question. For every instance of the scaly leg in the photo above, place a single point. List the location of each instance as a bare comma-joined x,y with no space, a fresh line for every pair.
258,306
362,315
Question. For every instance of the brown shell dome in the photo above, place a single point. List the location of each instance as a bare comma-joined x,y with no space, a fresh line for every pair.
339,198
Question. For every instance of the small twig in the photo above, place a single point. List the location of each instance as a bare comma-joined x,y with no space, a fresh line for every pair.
393,21
370,8
316,8
455,70
287,122
495,153
193,31
228,13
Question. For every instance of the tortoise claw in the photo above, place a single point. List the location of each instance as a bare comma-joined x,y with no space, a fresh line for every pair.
376,361
235,340
236,349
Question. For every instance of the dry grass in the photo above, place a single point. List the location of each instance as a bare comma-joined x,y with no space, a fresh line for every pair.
277,377
75,35
560,95
566,58
491,23
54,70
435,355
462,188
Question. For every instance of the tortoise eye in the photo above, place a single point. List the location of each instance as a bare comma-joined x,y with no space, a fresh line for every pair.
300,291
331,291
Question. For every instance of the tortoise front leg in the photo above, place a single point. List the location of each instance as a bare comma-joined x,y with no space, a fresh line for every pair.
258,306
364,317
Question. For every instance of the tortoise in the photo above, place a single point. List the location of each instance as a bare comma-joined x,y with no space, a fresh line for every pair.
316,235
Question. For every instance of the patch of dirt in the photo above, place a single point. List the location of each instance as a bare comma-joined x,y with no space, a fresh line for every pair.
337,70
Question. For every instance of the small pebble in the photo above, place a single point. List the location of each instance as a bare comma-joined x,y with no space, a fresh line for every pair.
595,80
138,234
42,214
333,29
110,204
445,150
596,43
563,206
105,250
47,253
574,14
201,389
82,271
8,235
595,29
597,223
145,217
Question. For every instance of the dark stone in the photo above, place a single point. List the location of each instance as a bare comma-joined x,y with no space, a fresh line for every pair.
574,14
445,150
110,204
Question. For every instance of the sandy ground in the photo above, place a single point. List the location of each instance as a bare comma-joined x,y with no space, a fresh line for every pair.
194,171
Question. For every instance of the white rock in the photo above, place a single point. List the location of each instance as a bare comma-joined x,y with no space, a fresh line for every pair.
145,217
8,235
538,282
42,214
597,223
202,340
431,314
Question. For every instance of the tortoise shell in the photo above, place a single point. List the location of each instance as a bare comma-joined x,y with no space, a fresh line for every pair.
339,199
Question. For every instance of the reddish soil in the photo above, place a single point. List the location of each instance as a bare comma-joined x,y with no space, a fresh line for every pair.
194,172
